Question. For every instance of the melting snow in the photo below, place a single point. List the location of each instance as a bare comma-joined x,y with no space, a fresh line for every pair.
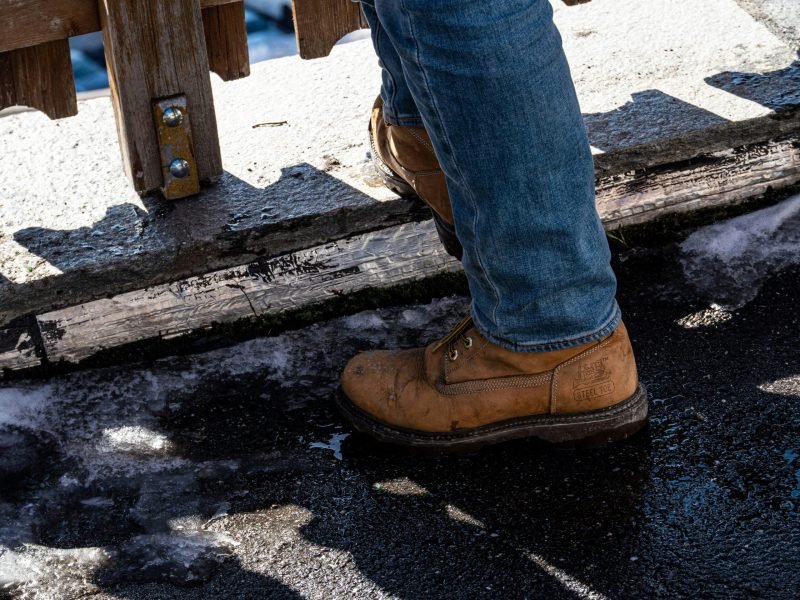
728,261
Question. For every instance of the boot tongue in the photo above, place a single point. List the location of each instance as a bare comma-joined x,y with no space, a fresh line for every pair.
465,324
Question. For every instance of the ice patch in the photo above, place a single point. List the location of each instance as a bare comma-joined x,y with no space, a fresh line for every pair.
185,558
728,261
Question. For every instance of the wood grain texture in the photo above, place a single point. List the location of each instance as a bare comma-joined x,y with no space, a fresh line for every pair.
30,22
226,40
319,24
39,77
378,259
715,179
156,49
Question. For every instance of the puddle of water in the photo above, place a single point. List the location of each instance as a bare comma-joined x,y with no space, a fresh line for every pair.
334,444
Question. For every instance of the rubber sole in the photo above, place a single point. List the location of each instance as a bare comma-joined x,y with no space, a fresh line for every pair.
393,181
585,430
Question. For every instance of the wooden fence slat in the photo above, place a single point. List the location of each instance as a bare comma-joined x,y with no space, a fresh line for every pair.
319,24
30,22
156,49
39,77
226,40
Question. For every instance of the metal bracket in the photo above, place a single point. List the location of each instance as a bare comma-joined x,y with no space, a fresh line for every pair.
178,165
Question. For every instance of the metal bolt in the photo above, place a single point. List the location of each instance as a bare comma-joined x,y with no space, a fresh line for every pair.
179,168
172,117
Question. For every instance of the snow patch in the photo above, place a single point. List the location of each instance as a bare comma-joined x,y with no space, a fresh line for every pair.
365,320
729,261
62,573
789,386
135,439
713,315
23,406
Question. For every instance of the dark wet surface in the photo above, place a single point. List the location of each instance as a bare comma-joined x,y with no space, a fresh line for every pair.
239,493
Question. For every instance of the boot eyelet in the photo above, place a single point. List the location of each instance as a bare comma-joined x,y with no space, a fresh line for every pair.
467,342
453,355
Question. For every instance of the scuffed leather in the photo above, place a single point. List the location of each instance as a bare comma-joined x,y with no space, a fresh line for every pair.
424,390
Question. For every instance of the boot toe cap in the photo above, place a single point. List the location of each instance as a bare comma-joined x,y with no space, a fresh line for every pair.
374,382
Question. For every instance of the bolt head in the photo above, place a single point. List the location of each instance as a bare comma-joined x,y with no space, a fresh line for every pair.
172,117
179,168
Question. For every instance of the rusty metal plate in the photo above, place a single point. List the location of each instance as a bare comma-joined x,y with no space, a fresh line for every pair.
178,165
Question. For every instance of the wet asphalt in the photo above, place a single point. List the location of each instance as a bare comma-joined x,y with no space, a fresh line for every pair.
705,503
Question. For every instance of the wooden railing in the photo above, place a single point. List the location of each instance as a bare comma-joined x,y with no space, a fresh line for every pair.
158,53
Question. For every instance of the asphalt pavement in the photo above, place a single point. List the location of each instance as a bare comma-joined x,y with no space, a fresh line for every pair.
228,474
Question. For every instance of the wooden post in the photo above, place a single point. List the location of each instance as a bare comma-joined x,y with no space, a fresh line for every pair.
39,77
156,49
319,24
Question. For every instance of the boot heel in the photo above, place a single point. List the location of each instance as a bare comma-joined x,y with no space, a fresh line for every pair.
604,427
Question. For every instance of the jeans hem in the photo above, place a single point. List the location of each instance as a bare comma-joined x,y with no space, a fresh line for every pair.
606,329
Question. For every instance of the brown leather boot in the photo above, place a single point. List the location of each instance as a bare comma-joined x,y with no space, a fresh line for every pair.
406,162
464,392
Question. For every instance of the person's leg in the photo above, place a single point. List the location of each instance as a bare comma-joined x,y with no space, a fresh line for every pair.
398,104
493,87
543,353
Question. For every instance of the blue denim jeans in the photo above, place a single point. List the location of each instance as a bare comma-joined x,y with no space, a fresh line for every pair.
489,81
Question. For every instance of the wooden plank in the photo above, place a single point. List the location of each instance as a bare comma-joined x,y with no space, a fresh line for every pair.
30,22
39,77
394,255
319,24
226,40
156,49
710,180
384,258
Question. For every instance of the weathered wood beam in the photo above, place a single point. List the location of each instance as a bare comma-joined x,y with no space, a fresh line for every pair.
319,24
378,259
26,23
39,77
155,49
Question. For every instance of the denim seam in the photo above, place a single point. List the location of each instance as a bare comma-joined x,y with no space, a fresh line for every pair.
476,245
608,326
401,121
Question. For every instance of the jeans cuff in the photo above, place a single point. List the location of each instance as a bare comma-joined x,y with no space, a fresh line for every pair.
604,330
401,121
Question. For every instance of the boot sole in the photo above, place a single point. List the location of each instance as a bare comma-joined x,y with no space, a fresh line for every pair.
393,181
585,430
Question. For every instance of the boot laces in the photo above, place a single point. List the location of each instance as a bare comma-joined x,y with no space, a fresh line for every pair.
458,333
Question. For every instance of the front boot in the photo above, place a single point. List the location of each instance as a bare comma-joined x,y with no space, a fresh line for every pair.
464,392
